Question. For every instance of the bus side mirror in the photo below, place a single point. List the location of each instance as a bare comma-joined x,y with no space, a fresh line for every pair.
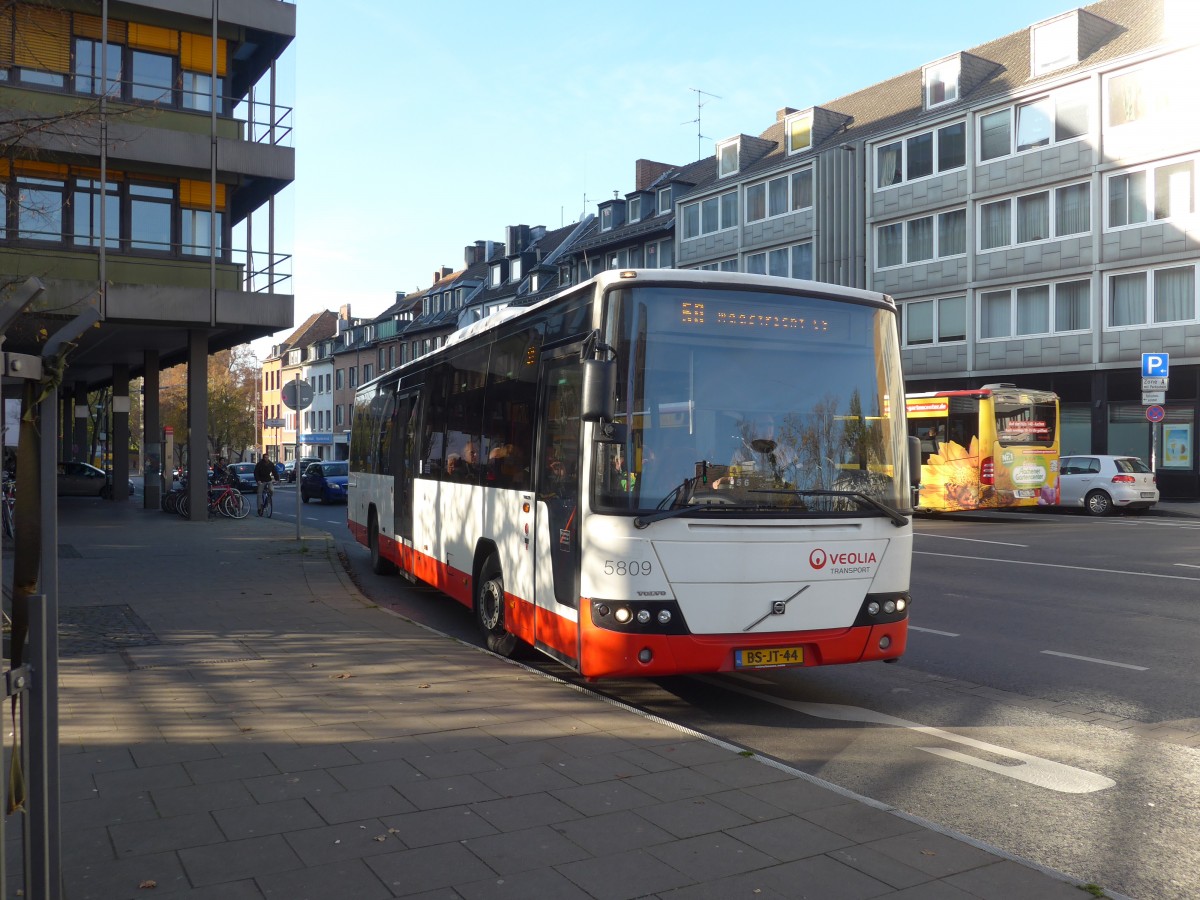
914,460
599,390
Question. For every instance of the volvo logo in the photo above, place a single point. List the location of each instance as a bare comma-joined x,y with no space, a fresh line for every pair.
777,608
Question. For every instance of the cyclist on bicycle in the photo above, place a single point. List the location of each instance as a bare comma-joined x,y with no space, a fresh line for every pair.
264,474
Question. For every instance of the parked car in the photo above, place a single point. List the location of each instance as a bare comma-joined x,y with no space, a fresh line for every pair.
300,465
325,480
80,479
1103,484
243,475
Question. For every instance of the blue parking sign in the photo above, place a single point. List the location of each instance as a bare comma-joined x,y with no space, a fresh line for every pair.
1155,365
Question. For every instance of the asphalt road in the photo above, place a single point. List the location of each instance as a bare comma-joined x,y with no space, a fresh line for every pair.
1045,704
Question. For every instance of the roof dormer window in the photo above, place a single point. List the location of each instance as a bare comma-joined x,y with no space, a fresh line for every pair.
514,273
635,209
727,157
497,276
941,82
799,132
1055,44
664,200
606,219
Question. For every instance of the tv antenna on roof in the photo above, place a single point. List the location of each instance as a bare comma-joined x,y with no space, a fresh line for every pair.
700,102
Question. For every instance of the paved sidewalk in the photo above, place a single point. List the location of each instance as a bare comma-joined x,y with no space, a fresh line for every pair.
237,721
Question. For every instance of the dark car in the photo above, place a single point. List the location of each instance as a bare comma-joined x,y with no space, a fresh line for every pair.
241,475
326,481
80,479
300,465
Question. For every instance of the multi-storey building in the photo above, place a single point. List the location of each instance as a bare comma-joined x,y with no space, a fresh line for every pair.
141,137
290,360
1030,203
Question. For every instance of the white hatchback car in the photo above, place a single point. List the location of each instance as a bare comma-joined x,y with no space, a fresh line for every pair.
1104,484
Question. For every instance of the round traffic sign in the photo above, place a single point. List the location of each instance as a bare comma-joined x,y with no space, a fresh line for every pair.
296,394
1155,413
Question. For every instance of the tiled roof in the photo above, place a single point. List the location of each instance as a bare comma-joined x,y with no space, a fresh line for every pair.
898,102
316,327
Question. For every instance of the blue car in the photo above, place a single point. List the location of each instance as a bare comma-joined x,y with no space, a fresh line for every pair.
326,481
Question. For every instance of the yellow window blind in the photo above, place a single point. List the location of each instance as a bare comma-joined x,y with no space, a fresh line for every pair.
5,168
152,37
39,169
43,39
195,194
195,53
90,27
6,37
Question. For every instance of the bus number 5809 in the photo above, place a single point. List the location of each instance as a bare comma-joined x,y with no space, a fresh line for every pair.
622,567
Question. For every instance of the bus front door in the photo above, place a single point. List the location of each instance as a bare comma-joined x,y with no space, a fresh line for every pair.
556,488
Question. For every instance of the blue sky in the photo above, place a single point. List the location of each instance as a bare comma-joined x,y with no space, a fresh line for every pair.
423,127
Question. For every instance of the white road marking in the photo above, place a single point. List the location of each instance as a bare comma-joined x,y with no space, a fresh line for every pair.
1103,662
1023,562
932,631
950,537
1188,565
1033,770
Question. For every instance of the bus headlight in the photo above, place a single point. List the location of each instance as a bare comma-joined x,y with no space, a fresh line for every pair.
623,615
643,616
873,608
889,606
664,616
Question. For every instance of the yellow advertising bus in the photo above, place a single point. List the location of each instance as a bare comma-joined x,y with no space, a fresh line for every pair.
992,448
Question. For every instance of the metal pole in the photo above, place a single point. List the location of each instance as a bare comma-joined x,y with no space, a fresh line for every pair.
296,465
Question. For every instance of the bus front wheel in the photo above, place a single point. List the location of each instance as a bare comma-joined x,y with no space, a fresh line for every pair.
379,565
489,610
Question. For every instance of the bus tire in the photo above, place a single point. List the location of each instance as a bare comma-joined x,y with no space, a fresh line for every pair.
1097,503
379,565
489,610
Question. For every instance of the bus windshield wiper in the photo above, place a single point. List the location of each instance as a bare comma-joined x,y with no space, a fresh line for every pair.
645,521
897,518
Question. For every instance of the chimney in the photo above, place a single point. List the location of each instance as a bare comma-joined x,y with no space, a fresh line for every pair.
782,114
400,295
516,238
647,171
344,311
469,255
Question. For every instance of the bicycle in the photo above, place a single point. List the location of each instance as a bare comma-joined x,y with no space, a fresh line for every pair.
228,501
266,506
8,503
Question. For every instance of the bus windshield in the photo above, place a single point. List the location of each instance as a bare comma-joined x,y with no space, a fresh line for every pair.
745,400
1025,419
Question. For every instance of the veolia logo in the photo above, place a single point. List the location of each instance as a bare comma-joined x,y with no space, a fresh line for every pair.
818,558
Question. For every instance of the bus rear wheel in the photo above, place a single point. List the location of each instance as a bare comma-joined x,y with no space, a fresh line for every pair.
379,565
489,610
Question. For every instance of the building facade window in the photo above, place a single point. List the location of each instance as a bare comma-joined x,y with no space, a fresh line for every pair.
1032,310
921,155
86,213
1038,216
921,239
799,132
710,215
635,209
795,261
941,82
940,321
779,196
664,200
1054,45
1153,193
727,157
1061,116
1151,297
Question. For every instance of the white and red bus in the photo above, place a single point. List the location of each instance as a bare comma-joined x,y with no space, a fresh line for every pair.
654,472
